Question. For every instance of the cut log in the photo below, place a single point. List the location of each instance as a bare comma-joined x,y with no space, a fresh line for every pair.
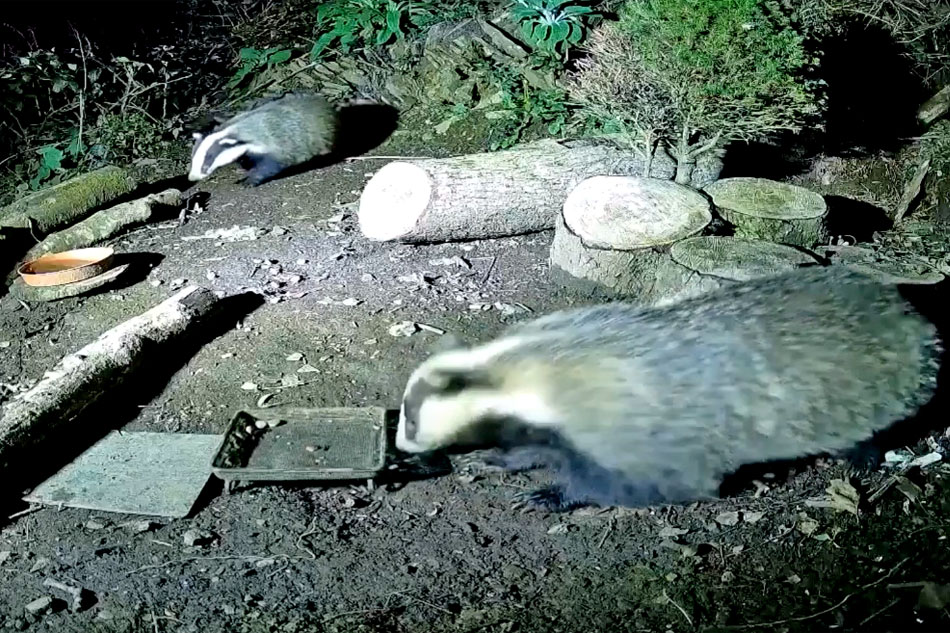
773,211
83,377
709,262
492,194
615,231
60,205
106,223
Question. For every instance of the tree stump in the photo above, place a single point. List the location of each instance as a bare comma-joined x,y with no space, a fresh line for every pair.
486,195
709,262
615,231
769,210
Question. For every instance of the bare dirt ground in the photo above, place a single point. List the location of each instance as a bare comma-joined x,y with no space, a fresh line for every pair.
441,554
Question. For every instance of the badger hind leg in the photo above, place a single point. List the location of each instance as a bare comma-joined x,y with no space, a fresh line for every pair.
261,168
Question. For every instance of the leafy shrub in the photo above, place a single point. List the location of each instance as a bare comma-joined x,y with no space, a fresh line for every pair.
692,75
254,61
346,24
552,25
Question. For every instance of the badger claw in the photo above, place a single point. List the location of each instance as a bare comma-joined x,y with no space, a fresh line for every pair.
549,499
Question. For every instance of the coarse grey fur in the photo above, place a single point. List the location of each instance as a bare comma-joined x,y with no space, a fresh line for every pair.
657,405
269,137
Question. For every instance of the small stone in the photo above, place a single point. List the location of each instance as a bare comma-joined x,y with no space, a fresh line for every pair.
4,344
139,527
95,524
367,277
296,356
39,606
198,538
728,519
261,424
302,262
5,556
156,283
249,386
41,563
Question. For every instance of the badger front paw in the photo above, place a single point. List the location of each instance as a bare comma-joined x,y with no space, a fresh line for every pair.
548,499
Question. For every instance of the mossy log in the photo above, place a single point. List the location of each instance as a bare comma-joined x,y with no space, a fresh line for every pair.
106,223
774,211
709,262
486,195
616,231
80,379
67,202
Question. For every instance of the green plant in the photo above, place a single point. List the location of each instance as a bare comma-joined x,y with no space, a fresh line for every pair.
693,75
525,108
254,61
345,24
552,25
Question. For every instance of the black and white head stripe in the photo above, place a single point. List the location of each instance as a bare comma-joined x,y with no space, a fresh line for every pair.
215,150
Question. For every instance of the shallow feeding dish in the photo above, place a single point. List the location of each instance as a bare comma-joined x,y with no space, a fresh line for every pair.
299,444
56,269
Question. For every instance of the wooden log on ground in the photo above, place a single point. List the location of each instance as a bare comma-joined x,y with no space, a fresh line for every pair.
768,210
615,231
935,107
60,205
492,194
106,223
80,379
710,262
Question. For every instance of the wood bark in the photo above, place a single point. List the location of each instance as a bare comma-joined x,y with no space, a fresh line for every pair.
106,223
615,231
487,195
82,378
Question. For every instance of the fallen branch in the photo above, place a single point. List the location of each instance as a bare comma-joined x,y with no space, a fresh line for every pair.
106,223
80,379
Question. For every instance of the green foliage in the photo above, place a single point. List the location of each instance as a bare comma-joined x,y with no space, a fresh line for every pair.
552,25
695,74
525,108
348,24
254,61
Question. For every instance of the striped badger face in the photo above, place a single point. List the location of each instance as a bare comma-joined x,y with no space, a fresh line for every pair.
213,151
467,398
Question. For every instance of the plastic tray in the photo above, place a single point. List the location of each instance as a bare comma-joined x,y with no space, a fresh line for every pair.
305,444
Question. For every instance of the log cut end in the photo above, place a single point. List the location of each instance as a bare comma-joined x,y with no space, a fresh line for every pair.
629,212
393,201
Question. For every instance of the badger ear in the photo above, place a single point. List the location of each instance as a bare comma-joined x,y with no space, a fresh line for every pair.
447,343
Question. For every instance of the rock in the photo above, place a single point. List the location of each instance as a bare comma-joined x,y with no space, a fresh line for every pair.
40,606
198,538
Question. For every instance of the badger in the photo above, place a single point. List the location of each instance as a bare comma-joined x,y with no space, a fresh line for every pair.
269,138
640,406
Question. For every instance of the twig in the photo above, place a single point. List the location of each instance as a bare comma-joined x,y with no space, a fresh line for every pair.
607,530
829,609
311,530
488,272
30,510
681,609
878,612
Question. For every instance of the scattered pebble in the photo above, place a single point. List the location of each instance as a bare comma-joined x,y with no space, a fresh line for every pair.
728,519
156,283
403,328
74,593
4,344
95,524
139,527
198,538
295,357
5,556
249,386
39,606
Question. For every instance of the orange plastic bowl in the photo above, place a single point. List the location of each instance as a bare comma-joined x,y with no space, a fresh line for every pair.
57,269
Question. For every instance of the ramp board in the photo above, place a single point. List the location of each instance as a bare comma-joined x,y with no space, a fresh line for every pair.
153,474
